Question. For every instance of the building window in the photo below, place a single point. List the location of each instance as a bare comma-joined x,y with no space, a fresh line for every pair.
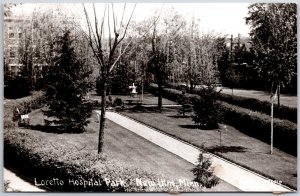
20,35
11,61
35,25
11,35
12,54
10,28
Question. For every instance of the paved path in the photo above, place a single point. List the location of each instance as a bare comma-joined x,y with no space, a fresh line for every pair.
165,106
233,174
16,184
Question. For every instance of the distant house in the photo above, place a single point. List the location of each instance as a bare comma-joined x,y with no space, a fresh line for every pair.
241,58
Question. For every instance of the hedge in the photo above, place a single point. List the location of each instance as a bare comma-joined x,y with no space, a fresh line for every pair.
259,126
24,105
79,171
40,160
261,106
252,123
285,112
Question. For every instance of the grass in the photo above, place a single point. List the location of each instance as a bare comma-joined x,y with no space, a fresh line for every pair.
287,100
148,99
126,147
236,146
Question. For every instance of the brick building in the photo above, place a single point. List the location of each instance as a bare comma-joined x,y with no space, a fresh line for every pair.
29,36
12,35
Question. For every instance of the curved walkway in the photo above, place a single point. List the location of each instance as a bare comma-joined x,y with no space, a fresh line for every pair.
242,178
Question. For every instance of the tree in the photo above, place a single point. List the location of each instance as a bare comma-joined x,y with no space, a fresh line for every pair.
106,57
66,88
206,108
185,104
274,40
157,66
203,172
34,49
163,45
7,8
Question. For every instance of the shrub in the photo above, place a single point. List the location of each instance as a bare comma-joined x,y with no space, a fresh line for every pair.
206,109
19,87
24,105
252,123
109,102
118,102
258,125
203,172
285,112
39,159
261,106
185,104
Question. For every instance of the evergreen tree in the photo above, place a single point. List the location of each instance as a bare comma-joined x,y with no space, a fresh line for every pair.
67,85
203,172
206,108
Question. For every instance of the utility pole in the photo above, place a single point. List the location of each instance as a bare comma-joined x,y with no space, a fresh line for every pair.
273,98
231,43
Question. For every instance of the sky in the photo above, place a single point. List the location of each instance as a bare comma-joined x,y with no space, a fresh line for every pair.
221,18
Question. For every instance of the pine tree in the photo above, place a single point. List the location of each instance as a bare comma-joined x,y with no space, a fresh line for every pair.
67,85
206,108
203,172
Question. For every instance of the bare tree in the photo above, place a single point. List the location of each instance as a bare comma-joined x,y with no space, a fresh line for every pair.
106,60
162,56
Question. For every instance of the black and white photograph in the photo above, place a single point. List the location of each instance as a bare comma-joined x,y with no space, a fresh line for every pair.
150,97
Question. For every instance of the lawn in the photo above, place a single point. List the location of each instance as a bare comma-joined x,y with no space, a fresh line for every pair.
287,100
126,147
148,99
236,146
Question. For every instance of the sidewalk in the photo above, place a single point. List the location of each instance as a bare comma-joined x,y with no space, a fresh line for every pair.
242,178
16,184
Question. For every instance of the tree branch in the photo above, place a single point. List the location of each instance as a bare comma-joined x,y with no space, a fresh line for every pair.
125,31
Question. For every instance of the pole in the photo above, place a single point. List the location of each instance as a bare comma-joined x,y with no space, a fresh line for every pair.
142,90
273,98
272,128
220,138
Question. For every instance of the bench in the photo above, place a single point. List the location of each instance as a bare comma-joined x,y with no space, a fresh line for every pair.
24,120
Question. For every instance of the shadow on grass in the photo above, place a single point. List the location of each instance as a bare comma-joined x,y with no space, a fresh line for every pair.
201,127
225,149
141,109
53,129
180,116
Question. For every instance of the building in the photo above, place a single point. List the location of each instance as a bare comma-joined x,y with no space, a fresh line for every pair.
240,63
12,36
28,39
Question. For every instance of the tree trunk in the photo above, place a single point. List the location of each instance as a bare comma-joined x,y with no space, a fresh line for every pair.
191,86
278,100
102,117
159,94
